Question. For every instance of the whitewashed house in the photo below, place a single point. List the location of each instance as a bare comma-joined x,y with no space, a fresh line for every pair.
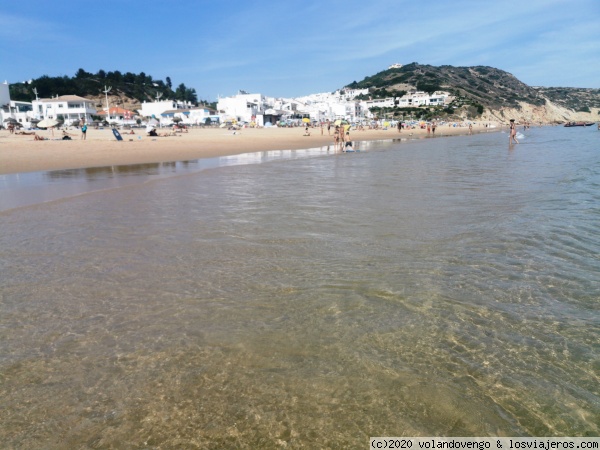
190,116
243,107
197,116
14,109
420,98
164,110
70,108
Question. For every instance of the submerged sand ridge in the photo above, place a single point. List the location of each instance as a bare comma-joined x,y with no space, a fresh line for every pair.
22,153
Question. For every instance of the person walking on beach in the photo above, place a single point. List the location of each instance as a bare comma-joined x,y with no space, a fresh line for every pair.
336,138
513,132
84,131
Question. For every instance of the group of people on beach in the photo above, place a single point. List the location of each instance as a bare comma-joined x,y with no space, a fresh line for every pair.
66,136
341,137
341,134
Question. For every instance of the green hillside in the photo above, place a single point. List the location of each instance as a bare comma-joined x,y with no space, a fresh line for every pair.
479,85
139,87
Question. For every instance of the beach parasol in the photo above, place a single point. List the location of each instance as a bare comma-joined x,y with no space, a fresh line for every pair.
306,120
47,123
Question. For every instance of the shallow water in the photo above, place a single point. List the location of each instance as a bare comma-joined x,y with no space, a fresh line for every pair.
434,287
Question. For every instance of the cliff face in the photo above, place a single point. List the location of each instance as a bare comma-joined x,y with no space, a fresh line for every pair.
500,93
548,113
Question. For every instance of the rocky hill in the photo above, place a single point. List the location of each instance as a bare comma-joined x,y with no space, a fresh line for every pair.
499,94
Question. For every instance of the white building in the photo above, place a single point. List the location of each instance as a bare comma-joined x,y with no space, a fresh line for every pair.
319,107
191,116
69,108
199,115
420,98
244,107
13,109
4,95
412,100
158,108
260,109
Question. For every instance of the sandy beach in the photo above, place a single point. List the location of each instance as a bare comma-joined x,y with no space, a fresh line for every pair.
21,153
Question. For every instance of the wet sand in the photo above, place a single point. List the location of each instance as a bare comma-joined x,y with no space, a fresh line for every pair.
21,153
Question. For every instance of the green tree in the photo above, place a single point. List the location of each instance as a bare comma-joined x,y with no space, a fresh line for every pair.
82,74
129,78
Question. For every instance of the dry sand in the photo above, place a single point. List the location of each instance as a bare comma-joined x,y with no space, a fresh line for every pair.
21,153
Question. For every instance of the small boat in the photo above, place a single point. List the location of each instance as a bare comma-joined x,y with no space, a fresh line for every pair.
579,124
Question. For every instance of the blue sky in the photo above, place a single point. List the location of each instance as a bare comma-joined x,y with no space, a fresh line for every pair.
295,48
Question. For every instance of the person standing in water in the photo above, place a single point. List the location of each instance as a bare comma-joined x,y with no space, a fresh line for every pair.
513,132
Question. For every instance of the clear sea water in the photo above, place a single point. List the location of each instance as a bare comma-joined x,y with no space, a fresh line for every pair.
307,299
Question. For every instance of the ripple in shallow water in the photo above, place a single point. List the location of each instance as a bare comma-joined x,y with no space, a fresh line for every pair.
446,287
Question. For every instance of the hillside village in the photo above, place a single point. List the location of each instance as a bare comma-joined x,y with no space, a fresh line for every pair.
256,109
402,92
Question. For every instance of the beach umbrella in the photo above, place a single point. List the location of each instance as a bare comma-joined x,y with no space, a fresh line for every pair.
306,120
47,123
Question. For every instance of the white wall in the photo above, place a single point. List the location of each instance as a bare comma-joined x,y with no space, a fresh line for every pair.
4,94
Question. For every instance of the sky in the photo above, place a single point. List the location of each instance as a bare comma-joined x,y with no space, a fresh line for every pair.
295,48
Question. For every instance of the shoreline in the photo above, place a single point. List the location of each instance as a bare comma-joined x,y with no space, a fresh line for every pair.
22,154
